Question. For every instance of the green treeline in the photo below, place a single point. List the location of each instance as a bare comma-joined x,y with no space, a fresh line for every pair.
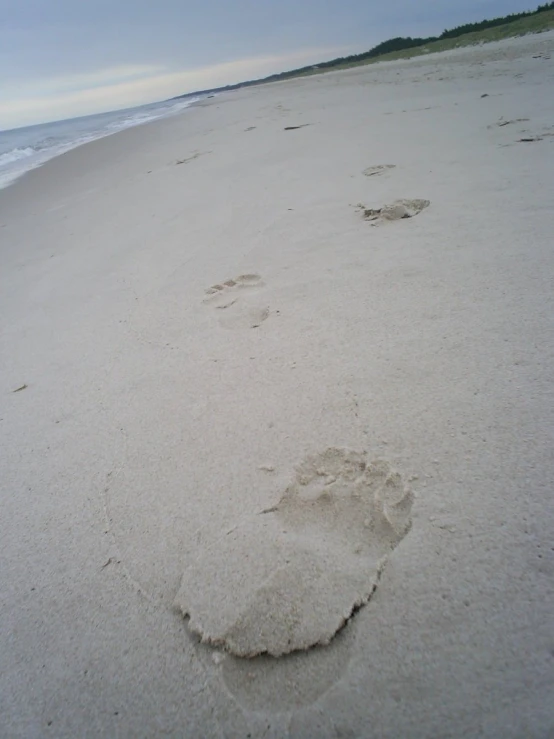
392,45
400,44
472,27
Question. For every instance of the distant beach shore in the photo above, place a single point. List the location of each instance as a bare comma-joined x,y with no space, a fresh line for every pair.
24,149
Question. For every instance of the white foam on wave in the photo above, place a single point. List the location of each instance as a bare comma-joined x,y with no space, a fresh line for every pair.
151,115
15,155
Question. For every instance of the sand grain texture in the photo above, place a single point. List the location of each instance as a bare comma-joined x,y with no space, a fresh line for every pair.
292,577
161,420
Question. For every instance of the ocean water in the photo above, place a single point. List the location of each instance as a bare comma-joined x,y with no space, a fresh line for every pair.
22,149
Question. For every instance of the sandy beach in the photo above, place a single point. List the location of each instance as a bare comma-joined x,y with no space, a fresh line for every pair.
276,462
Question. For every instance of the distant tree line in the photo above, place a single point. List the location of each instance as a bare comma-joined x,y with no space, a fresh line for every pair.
483,25
400,43
392,45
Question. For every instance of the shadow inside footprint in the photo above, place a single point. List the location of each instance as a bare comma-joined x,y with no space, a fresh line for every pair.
396,211
292,576
378,169
501,123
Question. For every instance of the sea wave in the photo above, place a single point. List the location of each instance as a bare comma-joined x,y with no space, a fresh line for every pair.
15,155
146,116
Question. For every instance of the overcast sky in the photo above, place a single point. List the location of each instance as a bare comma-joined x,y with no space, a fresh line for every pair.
64,58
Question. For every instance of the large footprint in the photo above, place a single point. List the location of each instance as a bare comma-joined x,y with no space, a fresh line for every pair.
292,576
233,299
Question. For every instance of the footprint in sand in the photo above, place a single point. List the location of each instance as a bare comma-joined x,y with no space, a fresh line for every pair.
529,138
295,128
235,300
548,133
378,169
503,122
192,157
396,211
292,576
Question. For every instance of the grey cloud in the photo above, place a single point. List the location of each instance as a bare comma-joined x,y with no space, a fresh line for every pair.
50,37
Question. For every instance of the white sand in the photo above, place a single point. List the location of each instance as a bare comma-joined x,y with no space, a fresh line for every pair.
159,420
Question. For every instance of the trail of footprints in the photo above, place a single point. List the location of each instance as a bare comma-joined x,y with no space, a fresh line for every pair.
524,134
315,557
237,300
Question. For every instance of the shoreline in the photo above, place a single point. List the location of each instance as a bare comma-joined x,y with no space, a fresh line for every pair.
12,176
